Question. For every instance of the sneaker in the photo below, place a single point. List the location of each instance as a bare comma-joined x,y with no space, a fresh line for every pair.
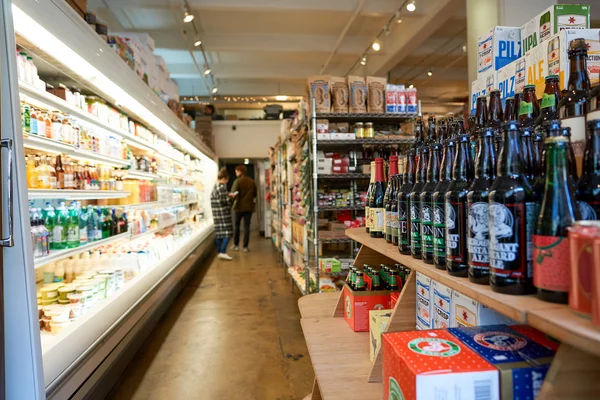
246,250
236,248
225,256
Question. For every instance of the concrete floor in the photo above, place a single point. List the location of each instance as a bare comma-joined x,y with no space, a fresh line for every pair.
234,333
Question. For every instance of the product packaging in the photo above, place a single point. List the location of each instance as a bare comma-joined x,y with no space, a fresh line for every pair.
391,105
550,21
378,321
424,293
319,90
506,81
358,304
497,48
478,88
469,312
537,336
376,94
412,103
394,297
330,265
358,94
442,310
401,99
434,364
323,129
339,94
522,362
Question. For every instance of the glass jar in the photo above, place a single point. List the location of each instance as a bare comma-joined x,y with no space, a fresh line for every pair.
369,131
359,130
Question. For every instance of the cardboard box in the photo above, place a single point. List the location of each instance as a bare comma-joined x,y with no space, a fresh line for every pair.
478,88
522,362
469,312
500,46
143,38
80,6
324,166
520,75
550,21
394,297
358,304
506,81
330,265
378,322
424,365
442,309
537,336
424,318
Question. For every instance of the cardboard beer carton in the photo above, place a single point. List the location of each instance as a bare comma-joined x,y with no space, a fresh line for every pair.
497,48
358,304
552,20
435,365
520,75
330,265
378,321
506,81
479,87
424,318
468,312
442,309
556,55
537,336
522,362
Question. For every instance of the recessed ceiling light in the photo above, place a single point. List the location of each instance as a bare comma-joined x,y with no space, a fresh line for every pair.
411,6
246,161
281,97
376,46
464,48
187,17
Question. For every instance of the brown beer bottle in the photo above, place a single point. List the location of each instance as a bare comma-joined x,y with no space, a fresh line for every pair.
509,109
495,113
369,198
513,214
571,160
527,149
439,201
529,109
404,204
433,175
419,134
415,203
376,206
516,106
478,239
481,115
390,198
430,131
550,100
442,130
588,187
60,173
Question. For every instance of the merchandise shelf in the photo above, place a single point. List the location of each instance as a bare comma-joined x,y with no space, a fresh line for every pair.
366,117
366,141
335,240
162,172
343,208
57,255
35,194
344,176
299,283
156,204
141,175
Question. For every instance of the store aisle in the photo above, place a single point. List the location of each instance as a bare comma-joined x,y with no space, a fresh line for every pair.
232,334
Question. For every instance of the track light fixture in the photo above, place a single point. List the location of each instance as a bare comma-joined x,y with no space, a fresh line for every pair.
410,86
430,72
215,90
363,61
187,17
376,46
197,42
411,6
207,71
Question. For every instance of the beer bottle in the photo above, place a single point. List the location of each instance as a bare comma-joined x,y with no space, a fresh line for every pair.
509,109
551,272
433,175
588,187
529,109
393,286
573,105
516,106
442,130
369,198
376,207
571,161
513,214
419,134
538,159
495,114
594,104
439,198
527,148
430,131
478,240
60,173
456,209
550,100
390,197
415,203
351,277
404,204
481,115
376,282
359,285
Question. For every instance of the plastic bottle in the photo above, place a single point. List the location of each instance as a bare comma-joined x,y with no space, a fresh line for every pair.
33,72
69,271
59,230
48,218
83,226
21,59
44,234
73,227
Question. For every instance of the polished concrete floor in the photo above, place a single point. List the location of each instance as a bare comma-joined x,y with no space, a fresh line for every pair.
234,333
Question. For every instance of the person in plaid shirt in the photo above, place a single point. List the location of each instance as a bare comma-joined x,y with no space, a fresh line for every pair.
220,202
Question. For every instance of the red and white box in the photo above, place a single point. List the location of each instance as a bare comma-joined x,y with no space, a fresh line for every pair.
426,365
358,304
441,306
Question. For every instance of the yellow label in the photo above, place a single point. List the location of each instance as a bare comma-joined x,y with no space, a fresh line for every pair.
377,217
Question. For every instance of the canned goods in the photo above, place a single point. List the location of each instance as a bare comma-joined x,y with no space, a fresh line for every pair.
581,238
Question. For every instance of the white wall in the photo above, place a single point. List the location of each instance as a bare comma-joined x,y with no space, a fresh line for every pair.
250,139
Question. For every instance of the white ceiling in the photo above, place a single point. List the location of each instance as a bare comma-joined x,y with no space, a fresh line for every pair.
267,47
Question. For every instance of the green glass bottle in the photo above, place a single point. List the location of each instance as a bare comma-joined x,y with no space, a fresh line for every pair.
107,223
73,227
59,230
48,216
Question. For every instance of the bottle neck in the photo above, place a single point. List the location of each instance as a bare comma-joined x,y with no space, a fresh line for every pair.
578,76
393,167
372,172
591,159
424,161
480,115
409,170
379,171
447,162
486,158
558,178
511,161
462,169
433,168
495,112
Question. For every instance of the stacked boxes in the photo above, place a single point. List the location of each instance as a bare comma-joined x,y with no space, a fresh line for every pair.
499,47
424,320
468,312
357,305
443,314
143,46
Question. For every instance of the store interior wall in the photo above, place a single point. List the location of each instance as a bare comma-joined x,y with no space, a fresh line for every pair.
244,139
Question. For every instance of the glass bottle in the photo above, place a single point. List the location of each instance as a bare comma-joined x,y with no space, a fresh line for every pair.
60,173
83,225
107,223
442,131
495,114
376,207
426,200
513,214
527,149
588,187
550,100
92,224
430,131
419,134
551,272
571,160
390,197
404,204
59,229
73,227
394,223
529,109
48,219
509,109
415,203
369,197
478,239
517,106
439,199
481,115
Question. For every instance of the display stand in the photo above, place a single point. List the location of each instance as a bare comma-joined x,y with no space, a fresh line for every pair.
340,356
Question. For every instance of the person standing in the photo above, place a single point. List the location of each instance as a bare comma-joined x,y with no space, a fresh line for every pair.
220,202
244,190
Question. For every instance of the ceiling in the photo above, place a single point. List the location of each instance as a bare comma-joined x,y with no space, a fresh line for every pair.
269,47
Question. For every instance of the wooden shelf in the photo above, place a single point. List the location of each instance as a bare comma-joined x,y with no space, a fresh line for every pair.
318,305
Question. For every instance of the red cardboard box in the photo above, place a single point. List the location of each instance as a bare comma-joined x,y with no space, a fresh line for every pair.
433,364
358,304
394,296
537,336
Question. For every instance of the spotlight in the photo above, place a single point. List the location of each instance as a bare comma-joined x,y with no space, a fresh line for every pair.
246,161
411,6
215,90
197,42
376,46
187,17
410,86
387,29
464,48
363,61
430,73
207,71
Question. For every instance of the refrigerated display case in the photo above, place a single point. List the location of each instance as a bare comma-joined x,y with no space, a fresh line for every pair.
75,315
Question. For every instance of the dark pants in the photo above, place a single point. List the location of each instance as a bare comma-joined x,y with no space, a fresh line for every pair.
246,215
222,245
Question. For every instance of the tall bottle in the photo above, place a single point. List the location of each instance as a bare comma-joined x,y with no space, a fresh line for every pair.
571,160
73,227
376,207
60,173
404,203
430,131
481,114
495,114
427,206
415,203
550,100
107,223
456,209
527,152
442,131
513,214
59,229
551,272
83,225
48,218
391,220
574,104
439,200
369,197
509,109
92,217
588,187
517,106
419,134
529,109
478,239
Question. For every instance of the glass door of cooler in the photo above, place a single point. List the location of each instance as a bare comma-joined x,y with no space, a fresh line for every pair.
20,350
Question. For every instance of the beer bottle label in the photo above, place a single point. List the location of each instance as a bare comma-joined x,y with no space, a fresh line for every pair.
589,210
427,227
439,230
551,260
548,100
455,232
478,241
377,215
360,282
403,223
368,217
376,281
386,221
525,108
415,225
394,225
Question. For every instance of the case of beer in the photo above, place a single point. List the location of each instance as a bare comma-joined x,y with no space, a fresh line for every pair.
378,321
479,88
550,21
506,81
443,316
357,305
424,293
537,336
468,312
497,48
435,365
522,362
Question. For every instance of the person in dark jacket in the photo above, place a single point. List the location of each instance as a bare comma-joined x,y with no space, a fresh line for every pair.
244,190
220,202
